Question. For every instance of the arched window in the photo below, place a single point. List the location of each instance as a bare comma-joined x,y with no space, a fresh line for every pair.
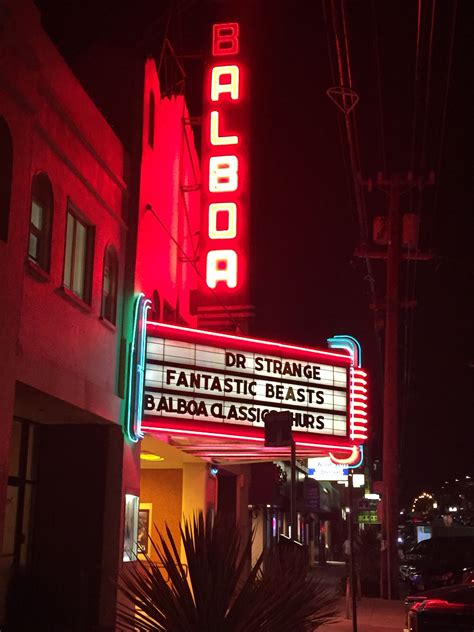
41,219
6,164
109,285
151,121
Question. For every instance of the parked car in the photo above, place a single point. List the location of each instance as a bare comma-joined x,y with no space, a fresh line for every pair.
440,595
450,609
437,562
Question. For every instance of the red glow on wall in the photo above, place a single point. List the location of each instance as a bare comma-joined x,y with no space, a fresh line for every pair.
224,236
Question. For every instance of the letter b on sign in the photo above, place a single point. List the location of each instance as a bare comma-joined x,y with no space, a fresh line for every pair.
225,39
223,174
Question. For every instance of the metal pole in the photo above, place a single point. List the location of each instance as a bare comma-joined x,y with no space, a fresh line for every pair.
352,557
293,491
390,409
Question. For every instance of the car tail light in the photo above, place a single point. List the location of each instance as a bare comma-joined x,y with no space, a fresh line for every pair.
435,604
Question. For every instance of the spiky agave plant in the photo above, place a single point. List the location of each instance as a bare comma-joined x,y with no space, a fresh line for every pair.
219,593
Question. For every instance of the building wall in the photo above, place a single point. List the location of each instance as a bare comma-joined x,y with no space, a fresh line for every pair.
74,358
60,360
168,209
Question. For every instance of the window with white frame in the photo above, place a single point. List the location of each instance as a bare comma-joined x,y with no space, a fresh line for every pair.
78,255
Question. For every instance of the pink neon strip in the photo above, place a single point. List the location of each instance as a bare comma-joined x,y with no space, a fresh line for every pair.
202,433
325,445
246,438
229,436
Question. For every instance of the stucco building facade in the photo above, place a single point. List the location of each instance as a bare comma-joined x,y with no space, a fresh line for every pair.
85,227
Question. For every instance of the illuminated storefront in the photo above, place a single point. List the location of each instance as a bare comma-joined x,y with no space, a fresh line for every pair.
198,396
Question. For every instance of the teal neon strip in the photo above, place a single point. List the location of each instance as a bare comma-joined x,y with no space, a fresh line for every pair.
141,367
361,452
129,421
349,343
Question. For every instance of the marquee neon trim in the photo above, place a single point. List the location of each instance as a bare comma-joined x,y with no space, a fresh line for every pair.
198,432
358,397
203,334
136,370
249,440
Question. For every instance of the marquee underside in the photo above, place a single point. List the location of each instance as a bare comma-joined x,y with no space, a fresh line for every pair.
235,447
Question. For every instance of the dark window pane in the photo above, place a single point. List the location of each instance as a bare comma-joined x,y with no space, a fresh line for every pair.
80,259
36,215
33,247
68,255
109,285
39,245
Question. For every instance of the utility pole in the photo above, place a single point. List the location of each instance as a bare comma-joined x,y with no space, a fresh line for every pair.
390,390
394,187
294,530
352,560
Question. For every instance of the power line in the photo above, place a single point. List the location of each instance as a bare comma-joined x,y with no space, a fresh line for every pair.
339,126
353,145
415,89
430,240
379,86
409,316
427,96
444,116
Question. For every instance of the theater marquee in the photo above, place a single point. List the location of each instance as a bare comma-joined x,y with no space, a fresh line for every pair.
233,382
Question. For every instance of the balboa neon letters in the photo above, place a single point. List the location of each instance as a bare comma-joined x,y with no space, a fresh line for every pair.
224,186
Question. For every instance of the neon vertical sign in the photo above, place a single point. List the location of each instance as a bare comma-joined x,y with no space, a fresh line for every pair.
358,397
136,370
225,169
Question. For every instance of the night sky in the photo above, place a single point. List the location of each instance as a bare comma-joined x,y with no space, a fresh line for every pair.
308,285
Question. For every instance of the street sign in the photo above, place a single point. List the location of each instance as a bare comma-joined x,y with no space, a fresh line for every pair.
278,429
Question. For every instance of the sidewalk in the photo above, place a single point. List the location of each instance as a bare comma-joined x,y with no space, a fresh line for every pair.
373,615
